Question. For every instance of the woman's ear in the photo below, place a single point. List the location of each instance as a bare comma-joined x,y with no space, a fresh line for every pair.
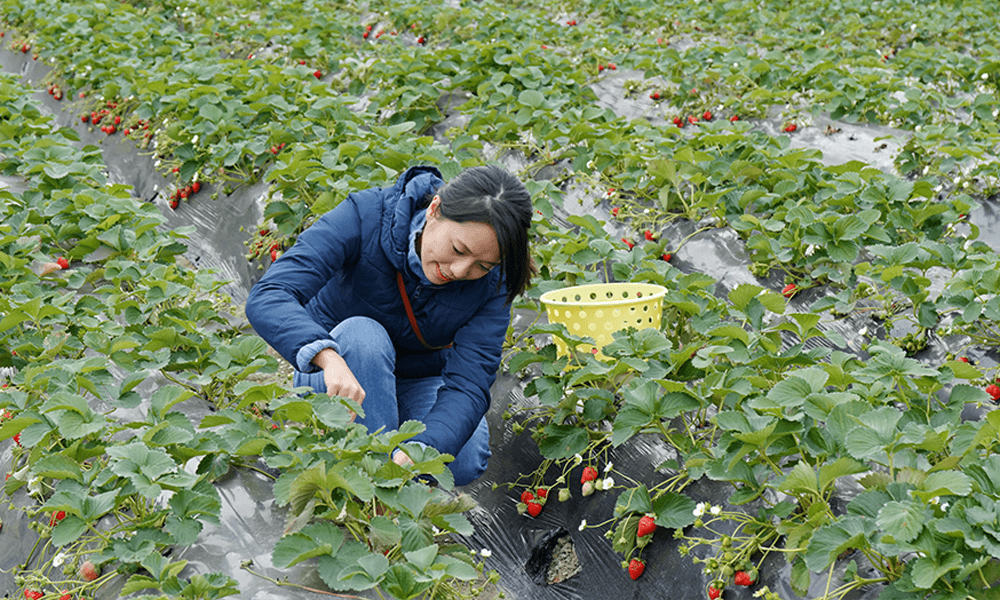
434,208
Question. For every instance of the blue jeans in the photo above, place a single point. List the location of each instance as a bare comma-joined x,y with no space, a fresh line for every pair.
368,351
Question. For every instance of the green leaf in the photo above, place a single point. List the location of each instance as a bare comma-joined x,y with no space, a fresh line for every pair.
945,483
297,547
562,441
400,582
58,466
68,530
801,478
384,532
927,570
674,510
902,520
422,558
831,540
634,500
531,98
800,577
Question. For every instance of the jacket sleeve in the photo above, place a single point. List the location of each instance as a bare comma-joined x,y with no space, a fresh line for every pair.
276,306
470,370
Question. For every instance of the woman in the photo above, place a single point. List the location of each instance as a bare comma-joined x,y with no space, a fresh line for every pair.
335,305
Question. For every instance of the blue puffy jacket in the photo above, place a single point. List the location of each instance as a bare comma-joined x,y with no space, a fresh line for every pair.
345,265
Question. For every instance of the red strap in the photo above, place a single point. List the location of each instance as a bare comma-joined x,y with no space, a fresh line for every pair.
409,313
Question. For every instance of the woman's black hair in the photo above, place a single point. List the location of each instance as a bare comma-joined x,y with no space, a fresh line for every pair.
489,194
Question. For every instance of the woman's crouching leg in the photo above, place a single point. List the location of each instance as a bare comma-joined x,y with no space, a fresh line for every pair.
474,457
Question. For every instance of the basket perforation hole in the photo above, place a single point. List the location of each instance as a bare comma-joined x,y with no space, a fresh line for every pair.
593,295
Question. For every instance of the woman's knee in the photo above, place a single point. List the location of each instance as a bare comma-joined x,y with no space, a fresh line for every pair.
365,340
474,457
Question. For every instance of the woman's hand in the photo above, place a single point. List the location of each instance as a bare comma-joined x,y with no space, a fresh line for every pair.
339,379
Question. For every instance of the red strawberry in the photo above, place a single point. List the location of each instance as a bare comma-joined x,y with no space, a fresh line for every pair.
84,118
196,187
707,116
635,568
678,121
788,290
614,211
527,496
994,391
274,255
62,262
317,73
629,243
82,94
589,474
692,119
176,169
542,493
600,68
184,194
534,508
365,35
66,596
742,578
667,257
421,40
274,150
655,95
647,525
791,127
33,594
265,231
963,359
25,48
612,66
17,438
713,593
649,235
173,204
734,118
118,120
88,571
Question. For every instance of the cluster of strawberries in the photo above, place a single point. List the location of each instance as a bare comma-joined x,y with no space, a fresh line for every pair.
55,91
649,235
185,192
532,502
97,116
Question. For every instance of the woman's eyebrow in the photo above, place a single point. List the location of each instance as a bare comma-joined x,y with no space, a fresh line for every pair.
463,248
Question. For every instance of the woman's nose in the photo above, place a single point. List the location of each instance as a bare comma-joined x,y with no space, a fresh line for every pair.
461,268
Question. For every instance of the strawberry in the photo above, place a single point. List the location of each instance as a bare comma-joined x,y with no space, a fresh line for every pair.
587,488
788,290
647,525
707,115
196,187
274,255
84,118
733,119
791,127
612,66
649,235
655,95
173,204
994,391
365,35
274,150
175,169
56,517
666,257
692,119
66,596
25,48
742,578
714,593
88,571
571,23
963,359
184,194
614,211
62,262
118,120
635,568
421,40
678,121
534,509
542,493
82,94
589,474
527,496
600,68
629,243
33,594
17,438
317,73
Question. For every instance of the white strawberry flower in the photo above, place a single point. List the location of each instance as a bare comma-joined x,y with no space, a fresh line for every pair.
608,467
583,525
699,509
863,331
609,483
926,169
985,76
715,510
59,559
485,553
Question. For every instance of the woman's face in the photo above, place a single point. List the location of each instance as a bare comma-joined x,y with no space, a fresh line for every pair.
451,251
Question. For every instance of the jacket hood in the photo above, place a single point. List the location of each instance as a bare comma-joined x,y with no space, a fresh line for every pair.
399,204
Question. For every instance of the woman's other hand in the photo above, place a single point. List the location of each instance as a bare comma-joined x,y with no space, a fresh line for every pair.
339,379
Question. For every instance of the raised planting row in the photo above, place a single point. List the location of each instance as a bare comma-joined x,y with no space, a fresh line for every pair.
339,97
94,309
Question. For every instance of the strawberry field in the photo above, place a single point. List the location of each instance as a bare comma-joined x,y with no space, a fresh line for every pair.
815,184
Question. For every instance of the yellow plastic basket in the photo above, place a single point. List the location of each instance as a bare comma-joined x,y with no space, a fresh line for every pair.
599,310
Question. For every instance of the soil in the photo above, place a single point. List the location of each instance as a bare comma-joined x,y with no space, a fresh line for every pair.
565,562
